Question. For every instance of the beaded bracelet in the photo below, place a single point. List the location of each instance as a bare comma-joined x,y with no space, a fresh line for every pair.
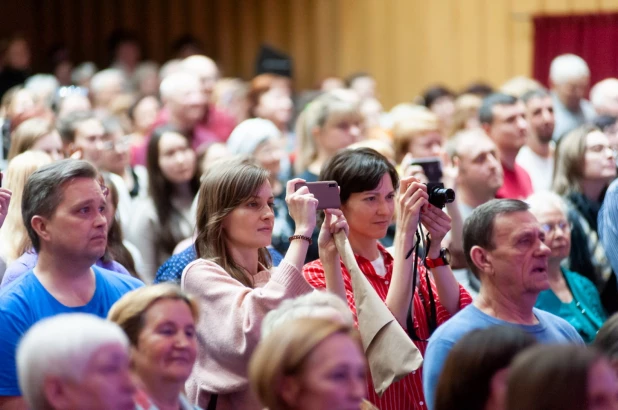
303,237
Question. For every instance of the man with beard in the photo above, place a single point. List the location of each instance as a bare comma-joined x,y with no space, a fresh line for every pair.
537,156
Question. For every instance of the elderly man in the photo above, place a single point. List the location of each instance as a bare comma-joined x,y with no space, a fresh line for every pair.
604,97
64,212
216,121
503,117
106,86
75,361
569,76
504,247
537,156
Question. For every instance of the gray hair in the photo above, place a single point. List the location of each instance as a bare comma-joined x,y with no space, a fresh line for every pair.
603,93
61,346
44,189
312,304
83,72
540,201
478,229
103,78
175,81
43,86
567,67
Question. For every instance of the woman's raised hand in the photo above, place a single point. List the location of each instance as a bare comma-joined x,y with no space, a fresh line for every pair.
302,206
411,200
437,222
334,222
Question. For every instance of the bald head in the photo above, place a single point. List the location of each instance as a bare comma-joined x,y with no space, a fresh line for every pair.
205,69
604,97
183,99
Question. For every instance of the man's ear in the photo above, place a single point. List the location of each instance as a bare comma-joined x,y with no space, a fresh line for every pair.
487,128
289,389
39,224
55,393
481,259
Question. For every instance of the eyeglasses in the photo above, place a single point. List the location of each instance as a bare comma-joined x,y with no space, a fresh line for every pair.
550,228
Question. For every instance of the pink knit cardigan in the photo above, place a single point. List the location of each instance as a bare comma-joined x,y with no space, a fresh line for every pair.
229,328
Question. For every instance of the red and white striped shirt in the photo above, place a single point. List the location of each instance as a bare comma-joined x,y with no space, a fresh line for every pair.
407,393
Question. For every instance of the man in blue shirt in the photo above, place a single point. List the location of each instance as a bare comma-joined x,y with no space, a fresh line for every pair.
608,224
504,247
63,209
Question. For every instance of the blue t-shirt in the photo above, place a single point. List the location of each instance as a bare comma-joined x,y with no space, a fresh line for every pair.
171,270
25,301
550,329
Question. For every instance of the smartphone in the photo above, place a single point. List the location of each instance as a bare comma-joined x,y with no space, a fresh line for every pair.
432,167
326,192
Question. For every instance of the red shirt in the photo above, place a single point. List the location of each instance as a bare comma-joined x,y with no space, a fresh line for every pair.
517,184
407,393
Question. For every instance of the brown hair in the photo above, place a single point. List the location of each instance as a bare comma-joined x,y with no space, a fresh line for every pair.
129,311
549,377
465,382
284,353
261,85
569,166
27,134
225,186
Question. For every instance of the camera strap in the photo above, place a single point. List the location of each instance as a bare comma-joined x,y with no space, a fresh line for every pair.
431,316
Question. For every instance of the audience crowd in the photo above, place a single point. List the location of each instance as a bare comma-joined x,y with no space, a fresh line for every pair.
166,242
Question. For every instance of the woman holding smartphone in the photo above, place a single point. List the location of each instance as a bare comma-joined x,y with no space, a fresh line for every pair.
233,277
370,194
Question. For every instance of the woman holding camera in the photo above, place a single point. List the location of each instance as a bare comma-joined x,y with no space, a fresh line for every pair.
368,185
234,279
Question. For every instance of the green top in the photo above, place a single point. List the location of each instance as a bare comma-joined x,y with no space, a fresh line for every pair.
585,312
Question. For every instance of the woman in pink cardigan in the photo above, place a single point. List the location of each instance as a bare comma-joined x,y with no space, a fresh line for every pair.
233,277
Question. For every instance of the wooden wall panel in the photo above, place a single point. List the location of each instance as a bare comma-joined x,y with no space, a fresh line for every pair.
407,44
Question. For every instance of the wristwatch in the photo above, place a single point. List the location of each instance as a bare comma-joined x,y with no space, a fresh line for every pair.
443,260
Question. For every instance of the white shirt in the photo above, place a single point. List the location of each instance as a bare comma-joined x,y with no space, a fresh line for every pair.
541,170
378,266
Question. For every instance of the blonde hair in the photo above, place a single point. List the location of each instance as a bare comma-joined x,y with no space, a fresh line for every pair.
417,123
520,85
569,166
328,107
380,146
284,353
27,134
466,107
308,305
226,185
129,311
13,234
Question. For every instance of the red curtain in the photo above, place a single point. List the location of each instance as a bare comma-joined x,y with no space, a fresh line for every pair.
592,37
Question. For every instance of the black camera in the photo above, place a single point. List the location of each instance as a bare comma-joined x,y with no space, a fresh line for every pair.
438,195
